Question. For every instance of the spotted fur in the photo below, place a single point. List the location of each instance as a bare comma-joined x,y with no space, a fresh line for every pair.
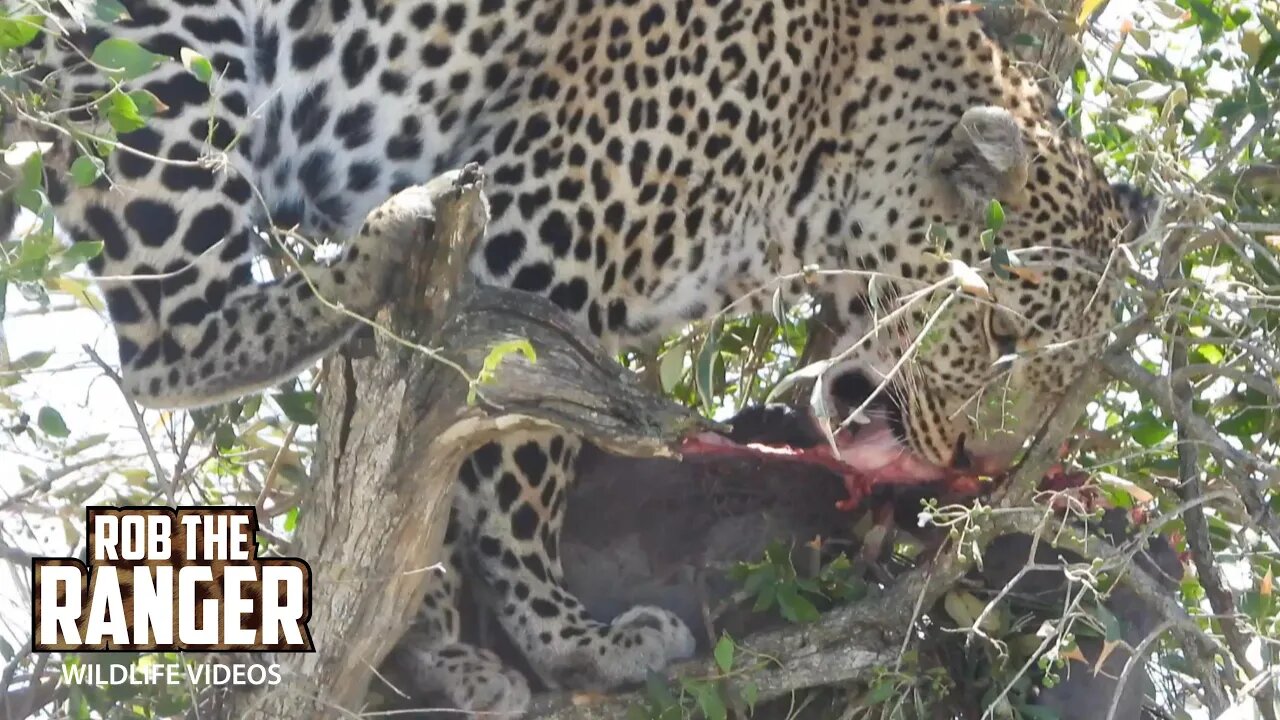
651,161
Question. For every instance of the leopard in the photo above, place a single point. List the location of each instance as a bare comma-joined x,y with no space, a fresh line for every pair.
650,164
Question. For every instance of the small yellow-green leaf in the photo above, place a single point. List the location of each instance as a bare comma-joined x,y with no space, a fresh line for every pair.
963,607
78,289
122,113
503,349
995,216
196,64
489,368
1086,10
19,30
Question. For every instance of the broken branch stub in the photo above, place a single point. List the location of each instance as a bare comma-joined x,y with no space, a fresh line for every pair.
395,426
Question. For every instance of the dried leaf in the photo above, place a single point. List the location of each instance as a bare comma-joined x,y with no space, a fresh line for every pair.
970,281
1108,647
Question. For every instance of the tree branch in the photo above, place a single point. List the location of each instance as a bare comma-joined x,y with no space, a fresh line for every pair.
1239,466
395,427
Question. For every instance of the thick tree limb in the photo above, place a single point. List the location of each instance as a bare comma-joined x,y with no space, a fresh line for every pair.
394,428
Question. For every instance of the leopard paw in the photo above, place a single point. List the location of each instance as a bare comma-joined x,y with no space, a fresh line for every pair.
639,641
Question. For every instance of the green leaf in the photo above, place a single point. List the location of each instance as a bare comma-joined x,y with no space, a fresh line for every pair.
795,607
109,11
135,476
81,252
963,607
995,216
84,444
1002,262
51,422
1210,354
85,170
18,31
880,692
1112,629
299,407
1245,424
765,599
196,64
30,158
750,693
655,686
123,113
710,702
224,437
147,103
1148,430
671,367
30,361
703,369
724,653
1203,13
1038,712
124,59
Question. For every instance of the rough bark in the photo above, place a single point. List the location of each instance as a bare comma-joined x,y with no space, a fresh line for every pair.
395,426
1042,35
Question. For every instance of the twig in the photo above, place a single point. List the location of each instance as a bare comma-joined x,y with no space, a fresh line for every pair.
137,415
1135,660
1197,528
276,463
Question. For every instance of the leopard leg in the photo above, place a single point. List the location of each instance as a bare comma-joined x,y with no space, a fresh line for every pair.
430,661
515,492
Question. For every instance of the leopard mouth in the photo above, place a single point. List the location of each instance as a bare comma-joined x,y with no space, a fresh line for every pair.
864,456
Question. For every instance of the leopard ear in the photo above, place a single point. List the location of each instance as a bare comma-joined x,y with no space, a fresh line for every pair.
983,157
